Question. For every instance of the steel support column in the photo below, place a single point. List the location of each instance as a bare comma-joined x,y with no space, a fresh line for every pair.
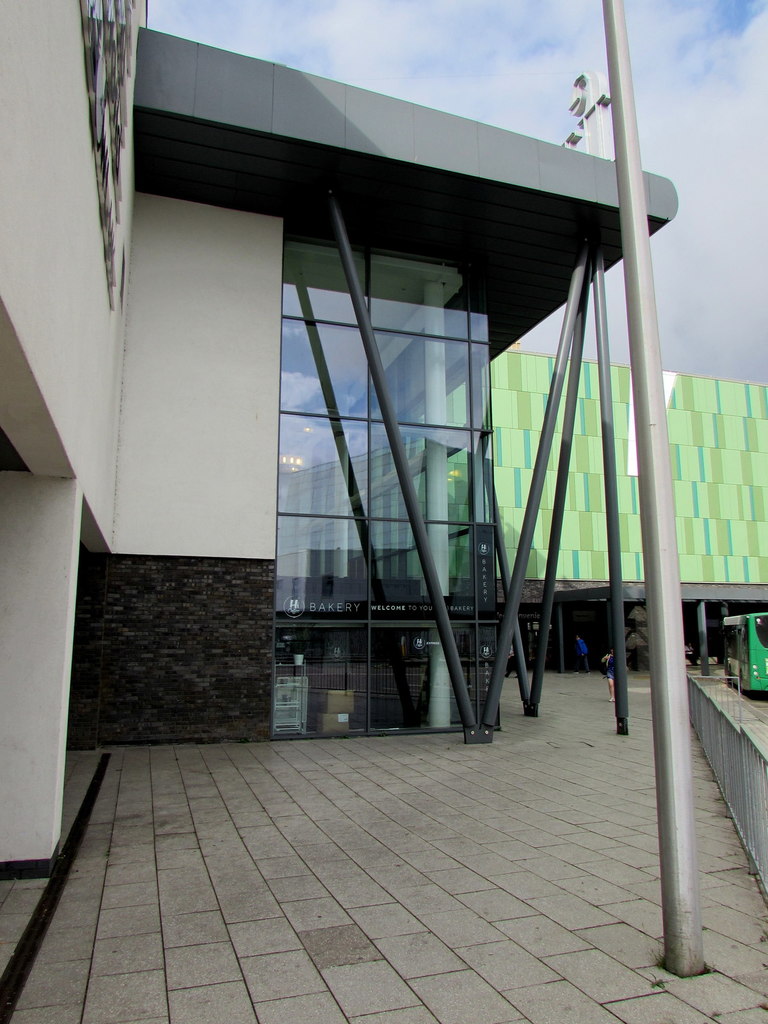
701,615
611,489
521,669
506,630
561,493
472,734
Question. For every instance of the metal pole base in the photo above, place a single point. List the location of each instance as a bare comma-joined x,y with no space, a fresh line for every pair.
622,727
478,734
530,710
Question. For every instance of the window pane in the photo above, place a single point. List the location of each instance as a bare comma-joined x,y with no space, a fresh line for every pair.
315,287
323,466
320,679
320,568
409,681
482,475
427,379
397,582
419,297
439,462
481,387
323,370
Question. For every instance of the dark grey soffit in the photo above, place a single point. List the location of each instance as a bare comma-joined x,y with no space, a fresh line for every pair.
215,127
689,592
10,460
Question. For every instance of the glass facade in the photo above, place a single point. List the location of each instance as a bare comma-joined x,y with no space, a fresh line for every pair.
356,645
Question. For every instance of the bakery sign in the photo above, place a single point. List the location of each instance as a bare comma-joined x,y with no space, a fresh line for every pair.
107,43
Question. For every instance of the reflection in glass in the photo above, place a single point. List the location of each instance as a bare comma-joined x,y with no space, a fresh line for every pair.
417,644
439,462
323,370
482,475
323,465
420,297
426,379
315,287
320,679
397,579
478,318
320,567
481,387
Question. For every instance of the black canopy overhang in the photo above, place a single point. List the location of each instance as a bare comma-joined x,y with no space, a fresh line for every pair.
525,241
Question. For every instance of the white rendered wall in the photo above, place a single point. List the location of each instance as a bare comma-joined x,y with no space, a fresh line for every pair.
60,343
199,424
39,537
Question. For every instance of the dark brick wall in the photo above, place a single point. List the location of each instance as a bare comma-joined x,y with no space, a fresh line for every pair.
87,652
171,650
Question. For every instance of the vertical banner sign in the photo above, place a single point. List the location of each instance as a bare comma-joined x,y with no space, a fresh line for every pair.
485,570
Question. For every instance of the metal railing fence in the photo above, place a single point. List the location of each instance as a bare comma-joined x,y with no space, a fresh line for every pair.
735,743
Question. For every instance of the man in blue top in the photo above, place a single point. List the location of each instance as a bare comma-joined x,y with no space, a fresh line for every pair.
581,654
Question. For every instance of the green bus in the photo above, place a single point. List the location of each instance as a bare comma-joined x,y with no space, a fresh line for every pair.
746,653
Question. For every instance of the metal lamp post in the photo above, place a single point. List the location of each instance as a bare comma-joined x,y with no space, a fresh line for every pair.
683,947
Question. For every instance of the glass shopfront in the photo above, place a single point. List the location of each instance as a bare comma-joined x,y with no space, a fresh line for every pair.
356,644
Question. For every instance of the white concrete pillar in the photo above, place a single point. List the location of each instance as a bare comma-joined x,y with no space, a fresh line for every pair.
39,546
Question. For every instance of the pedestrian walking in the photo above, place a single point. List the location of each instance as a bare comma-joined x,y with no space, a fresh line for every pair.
581,654
610,674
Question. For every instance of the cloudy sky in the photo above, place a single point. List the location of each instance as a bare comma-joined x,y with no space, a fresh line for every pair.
701,81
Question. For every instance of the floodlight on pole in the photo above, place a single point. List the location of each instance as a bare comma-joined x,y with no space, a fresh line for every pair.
683,942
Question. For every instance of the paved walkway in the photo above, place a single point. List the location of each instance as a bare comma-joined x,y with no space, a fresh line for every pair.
394,880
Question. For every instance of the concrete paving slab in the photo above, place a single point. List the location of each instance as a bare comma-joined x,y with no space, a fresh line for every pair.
385,920
459,928
557,1002
116,998
50,1015
193,929
127,954
435,869
572,912
733,958
212,1003
339,945
279,975
653,1009
506,965
629,946
59,984
323,912
273,935
464,996
368,988
409,1015
210,963
320,1008
714,994
598,975
541,935
419,954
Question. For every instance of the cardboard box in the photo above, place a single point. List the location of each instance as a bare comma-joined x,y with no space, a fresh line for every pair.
340,702
334,723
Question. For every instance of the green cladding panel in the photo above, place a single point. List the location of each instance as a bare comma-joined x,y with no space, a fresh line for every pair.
718,434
